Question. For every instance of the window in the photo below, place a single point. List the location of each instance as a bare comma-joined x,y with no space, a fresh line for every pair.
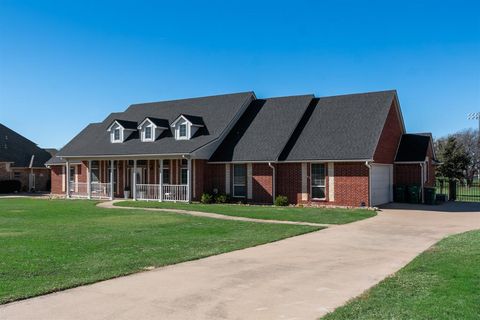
116,134
148,133
16,175
184,172
182,131
166,172
239,180
318,181
72,178
95,171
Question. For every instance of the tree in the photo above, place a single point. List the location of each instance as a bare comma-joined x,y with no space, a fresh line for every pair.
455,160
469,139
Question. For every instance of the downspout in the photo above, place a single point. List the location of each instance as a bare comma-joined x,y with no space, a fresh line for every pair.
422,178
368,164
273,180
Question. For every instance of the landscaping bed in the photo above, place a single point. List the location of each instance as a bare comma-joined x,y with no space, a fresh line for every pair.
299,214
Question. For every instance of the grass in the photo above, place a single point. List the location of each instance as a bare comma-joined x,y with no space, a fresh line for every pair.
441,283
315,215
49,245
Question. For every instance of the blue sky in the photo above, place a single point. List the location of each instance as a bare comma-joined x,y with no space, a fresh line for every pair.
64,64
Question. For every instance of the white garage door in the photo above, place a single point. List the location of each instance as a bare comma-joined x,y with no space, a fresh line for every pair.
381,184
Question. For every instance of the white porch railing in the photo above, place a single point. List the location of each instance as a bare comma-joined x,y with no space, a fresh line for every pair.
175,192
148,191
100,190
79,190
171,192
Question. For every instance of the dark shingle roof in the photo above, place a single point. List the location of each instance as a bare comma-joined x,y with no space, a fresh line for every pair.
162,123
198,121
217,113
263,130
19,150
345,127
132,125
413,148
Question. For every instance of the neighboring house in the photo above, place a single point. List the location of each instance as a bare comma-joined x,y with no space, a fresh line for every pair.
339,150
21,159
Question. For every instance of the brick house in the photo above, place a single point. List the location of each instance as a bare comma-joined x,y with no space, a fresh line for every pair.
21,159
339,150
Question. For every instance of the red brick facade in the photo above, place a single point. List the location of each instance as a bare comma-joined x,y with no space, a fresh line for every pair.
289,181
262,183
351,184
390,137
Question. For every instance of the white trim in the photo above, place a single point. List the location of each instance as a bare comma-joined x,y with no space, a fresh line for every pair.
249,181
331,182
194,172
318,186
227,178
63,175
304,181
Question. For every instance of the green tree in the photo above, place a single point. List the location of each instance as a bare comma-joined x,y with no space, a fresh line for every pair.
455,160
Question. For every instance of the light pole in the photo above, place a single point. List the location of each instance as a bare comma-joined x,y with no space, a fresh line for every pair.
476,116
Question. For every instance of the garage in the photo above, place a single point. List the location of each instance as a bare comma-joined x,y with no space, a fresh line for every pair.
381,183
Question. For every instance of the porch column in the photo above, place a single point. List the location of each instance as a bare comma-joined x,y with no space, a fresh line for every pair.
67,167
111,179
89,179
160,198
189,179
134,182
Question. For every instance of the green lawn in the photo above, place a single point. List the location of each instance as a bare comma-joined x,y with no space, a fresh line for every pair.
441,283
315,215
48,245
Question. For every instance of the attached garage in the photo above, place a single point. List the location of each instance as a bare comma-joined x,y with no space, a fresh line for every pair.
381,183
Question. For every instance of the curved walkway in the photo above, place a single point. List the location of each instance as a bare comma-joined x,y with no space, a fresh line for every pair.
109,205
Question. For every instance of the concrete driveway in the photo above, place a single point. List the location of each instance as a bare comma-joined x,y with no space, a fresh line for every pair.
298,278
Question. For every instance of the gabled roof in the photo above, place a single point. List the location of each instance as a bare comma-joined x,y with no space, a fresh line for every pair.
217,112
159,123
19,150
263,130
413,147
345,127
125,124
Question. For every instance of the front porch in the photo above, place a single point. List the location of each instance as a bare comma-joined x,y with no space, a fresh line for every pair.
137,179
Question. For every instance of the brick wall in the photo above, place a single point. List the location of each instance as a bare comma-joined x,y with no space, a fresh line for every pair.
262,178
390,137
407,174
289,181
198,167
214,177
351,184
56,176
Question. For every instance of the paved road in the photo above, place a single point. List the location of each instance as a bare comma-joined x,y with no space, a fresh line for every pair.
298,278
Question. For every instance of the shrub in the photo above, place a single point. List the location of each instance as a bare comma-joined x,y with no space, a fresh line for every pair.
9,186
221,198
281,201
206,198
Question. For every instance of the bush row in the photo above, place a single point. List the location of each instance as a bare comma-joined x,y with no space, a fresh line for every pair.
10,186
207,198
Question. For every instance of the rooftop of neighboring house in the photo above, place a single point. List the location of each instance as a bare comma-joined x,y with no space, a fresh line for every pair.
20,151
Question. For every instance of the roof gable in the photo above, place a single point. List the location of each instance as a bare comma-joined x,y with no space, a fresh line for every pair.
345,127
413,148
263,130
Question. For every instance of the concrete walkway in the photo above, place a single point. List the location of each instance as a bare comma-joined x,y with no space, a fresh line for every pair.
109,205
302,277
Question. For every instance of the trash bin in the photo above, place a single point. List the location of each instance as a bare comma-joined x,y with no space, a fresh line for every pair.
429,195
413,194
399,194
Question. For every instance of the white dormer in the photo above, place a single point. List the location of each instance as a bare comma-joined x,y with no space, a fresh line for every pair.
186,126
120,130
151,128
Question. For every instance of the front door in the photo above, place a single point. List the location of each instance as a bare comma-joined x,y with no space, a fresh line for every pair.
139,174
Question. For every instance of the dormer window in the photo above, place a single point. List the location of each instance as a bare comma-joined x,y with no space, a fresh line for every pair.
148,133
116,135
151,128
182,131
186,126
121,130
